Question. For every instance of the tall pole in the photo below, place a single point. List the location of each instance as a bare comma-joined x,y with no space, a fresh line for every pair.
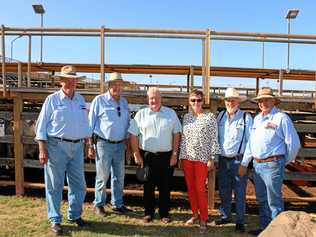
288,44
42,38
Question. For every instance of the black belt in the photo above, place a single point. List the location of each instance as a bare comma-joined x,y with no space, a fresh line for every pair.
159,153
109,141
68,140
238,157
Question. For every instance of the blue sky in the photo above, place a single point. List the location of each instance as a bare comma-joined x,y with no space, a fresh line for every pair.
220,15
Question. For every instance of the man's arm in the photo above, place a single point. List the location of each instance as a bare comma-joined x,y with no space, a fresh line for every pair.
43,155
135,149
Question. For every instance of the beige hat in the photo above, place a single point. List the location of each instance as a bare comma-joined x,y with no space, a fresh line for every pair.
68,71
116,76
232,93
266,92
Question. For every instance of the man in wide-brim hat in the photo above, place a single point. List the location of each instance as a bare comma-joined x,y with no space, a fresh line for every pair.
61,131
233,132
109,121
272,144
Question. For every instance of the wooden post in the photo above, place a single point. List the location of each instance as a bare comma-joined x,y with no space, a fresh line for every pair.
102,89
211,189
19,74
257,85
280,82
18,146
29,63
4,80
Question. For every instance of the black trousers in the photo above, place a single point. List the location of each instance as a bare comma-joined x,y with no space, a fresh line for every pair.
160,175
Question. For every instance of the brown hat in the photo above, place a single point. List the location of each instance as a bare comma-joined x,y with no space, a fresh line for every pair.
68,71
266,92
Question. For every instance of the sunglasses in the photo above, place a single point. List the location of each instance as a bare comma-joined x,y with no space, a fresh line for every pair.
196,100
118,111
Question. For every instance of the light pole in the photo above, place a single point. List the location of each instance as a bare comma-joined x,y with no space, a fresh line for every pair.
39,9
19,36
291,14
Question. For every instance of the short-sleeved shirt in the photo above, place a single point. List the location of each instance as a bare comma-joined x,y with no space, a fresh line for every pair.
272,135
199,137
155,129
109,118
63,117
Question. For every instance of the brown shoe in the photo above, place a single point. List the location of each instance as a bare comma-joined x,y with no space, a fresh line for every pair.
147,218
99,211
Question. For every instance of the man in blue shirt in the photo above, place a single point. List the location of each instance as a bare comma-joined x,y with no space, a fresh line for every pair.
233,133
61,131
155,139
273,143
109,121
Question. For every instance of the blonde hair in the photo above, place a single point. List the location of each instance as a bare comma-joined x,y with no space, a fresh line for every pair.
153,90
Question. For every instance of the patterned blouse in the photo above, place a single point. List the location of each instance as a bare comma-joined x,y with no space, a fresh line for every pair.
199,138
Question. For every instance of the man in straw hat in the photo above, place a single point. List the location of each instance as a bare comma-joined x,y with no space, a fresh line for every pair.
233,132
273,143
109,121
61,131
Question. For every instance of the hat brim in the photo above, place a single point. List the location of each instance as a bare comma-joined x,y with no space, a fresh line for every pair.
239,98
58,76
118,79
277,100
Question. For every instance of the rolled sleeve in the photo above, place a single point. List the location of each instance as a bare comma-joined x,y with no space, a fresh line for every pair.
42,121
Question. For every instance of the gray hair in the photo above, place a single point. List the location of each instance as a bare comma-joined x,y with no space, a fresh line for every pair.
153,90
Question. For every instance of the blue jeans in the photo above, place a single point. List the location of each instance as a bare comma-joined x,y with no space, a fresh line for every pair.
64,157
229,181
268,179
109,158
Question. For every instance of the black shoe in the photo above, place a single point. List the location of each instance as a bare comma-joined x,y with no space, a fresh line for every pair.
147,218
121,210
79,222
240,228
223,221
56,228
99,211
255,232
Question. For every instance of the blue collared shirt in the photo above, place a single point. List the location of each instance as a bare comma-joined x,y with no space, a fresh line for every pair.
155,129
271,135
230,133
63,117
108,118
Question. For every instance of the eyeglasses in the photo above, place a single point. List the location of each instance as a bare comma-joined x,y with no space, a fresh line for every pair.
118,111
196,100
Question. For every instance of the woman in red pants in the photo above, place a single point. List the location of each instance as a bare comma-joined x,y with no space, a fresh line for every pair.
198,147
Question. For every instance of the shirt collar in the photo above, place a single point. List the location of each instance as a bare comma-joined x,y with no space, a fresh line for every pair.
162,110
109,97
62,95
273,111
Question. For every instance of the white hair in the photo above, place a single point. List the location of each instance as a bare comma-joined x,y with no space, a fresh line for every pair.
153,90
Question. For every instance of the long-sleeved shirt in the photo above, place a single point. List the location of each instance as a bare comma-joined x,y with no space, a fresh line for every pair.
271,135
155,129
109,118
234,133
63,117
199,138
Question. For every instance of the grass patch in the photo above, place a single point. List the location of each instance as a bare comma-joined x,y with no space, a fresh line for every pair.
27,217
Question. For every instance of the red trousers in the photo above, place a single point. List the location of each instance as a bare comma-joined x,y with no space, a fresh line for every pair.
195,173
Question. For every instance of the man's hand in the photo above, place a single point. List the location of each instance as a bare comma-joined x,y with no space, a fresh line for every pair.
138,159
43,156
242,170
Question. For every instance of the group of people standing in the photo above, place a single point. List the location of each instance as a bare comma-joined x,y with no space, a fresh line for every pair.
66,134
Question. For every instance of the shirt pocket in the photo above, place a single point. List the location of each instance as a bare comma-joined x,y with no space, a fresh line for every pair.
83,115
59,116
108,114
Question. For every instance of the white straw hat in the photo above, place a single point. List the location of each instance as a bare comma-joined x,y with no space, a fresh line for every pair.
266,92
232,93
68,71
116,76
